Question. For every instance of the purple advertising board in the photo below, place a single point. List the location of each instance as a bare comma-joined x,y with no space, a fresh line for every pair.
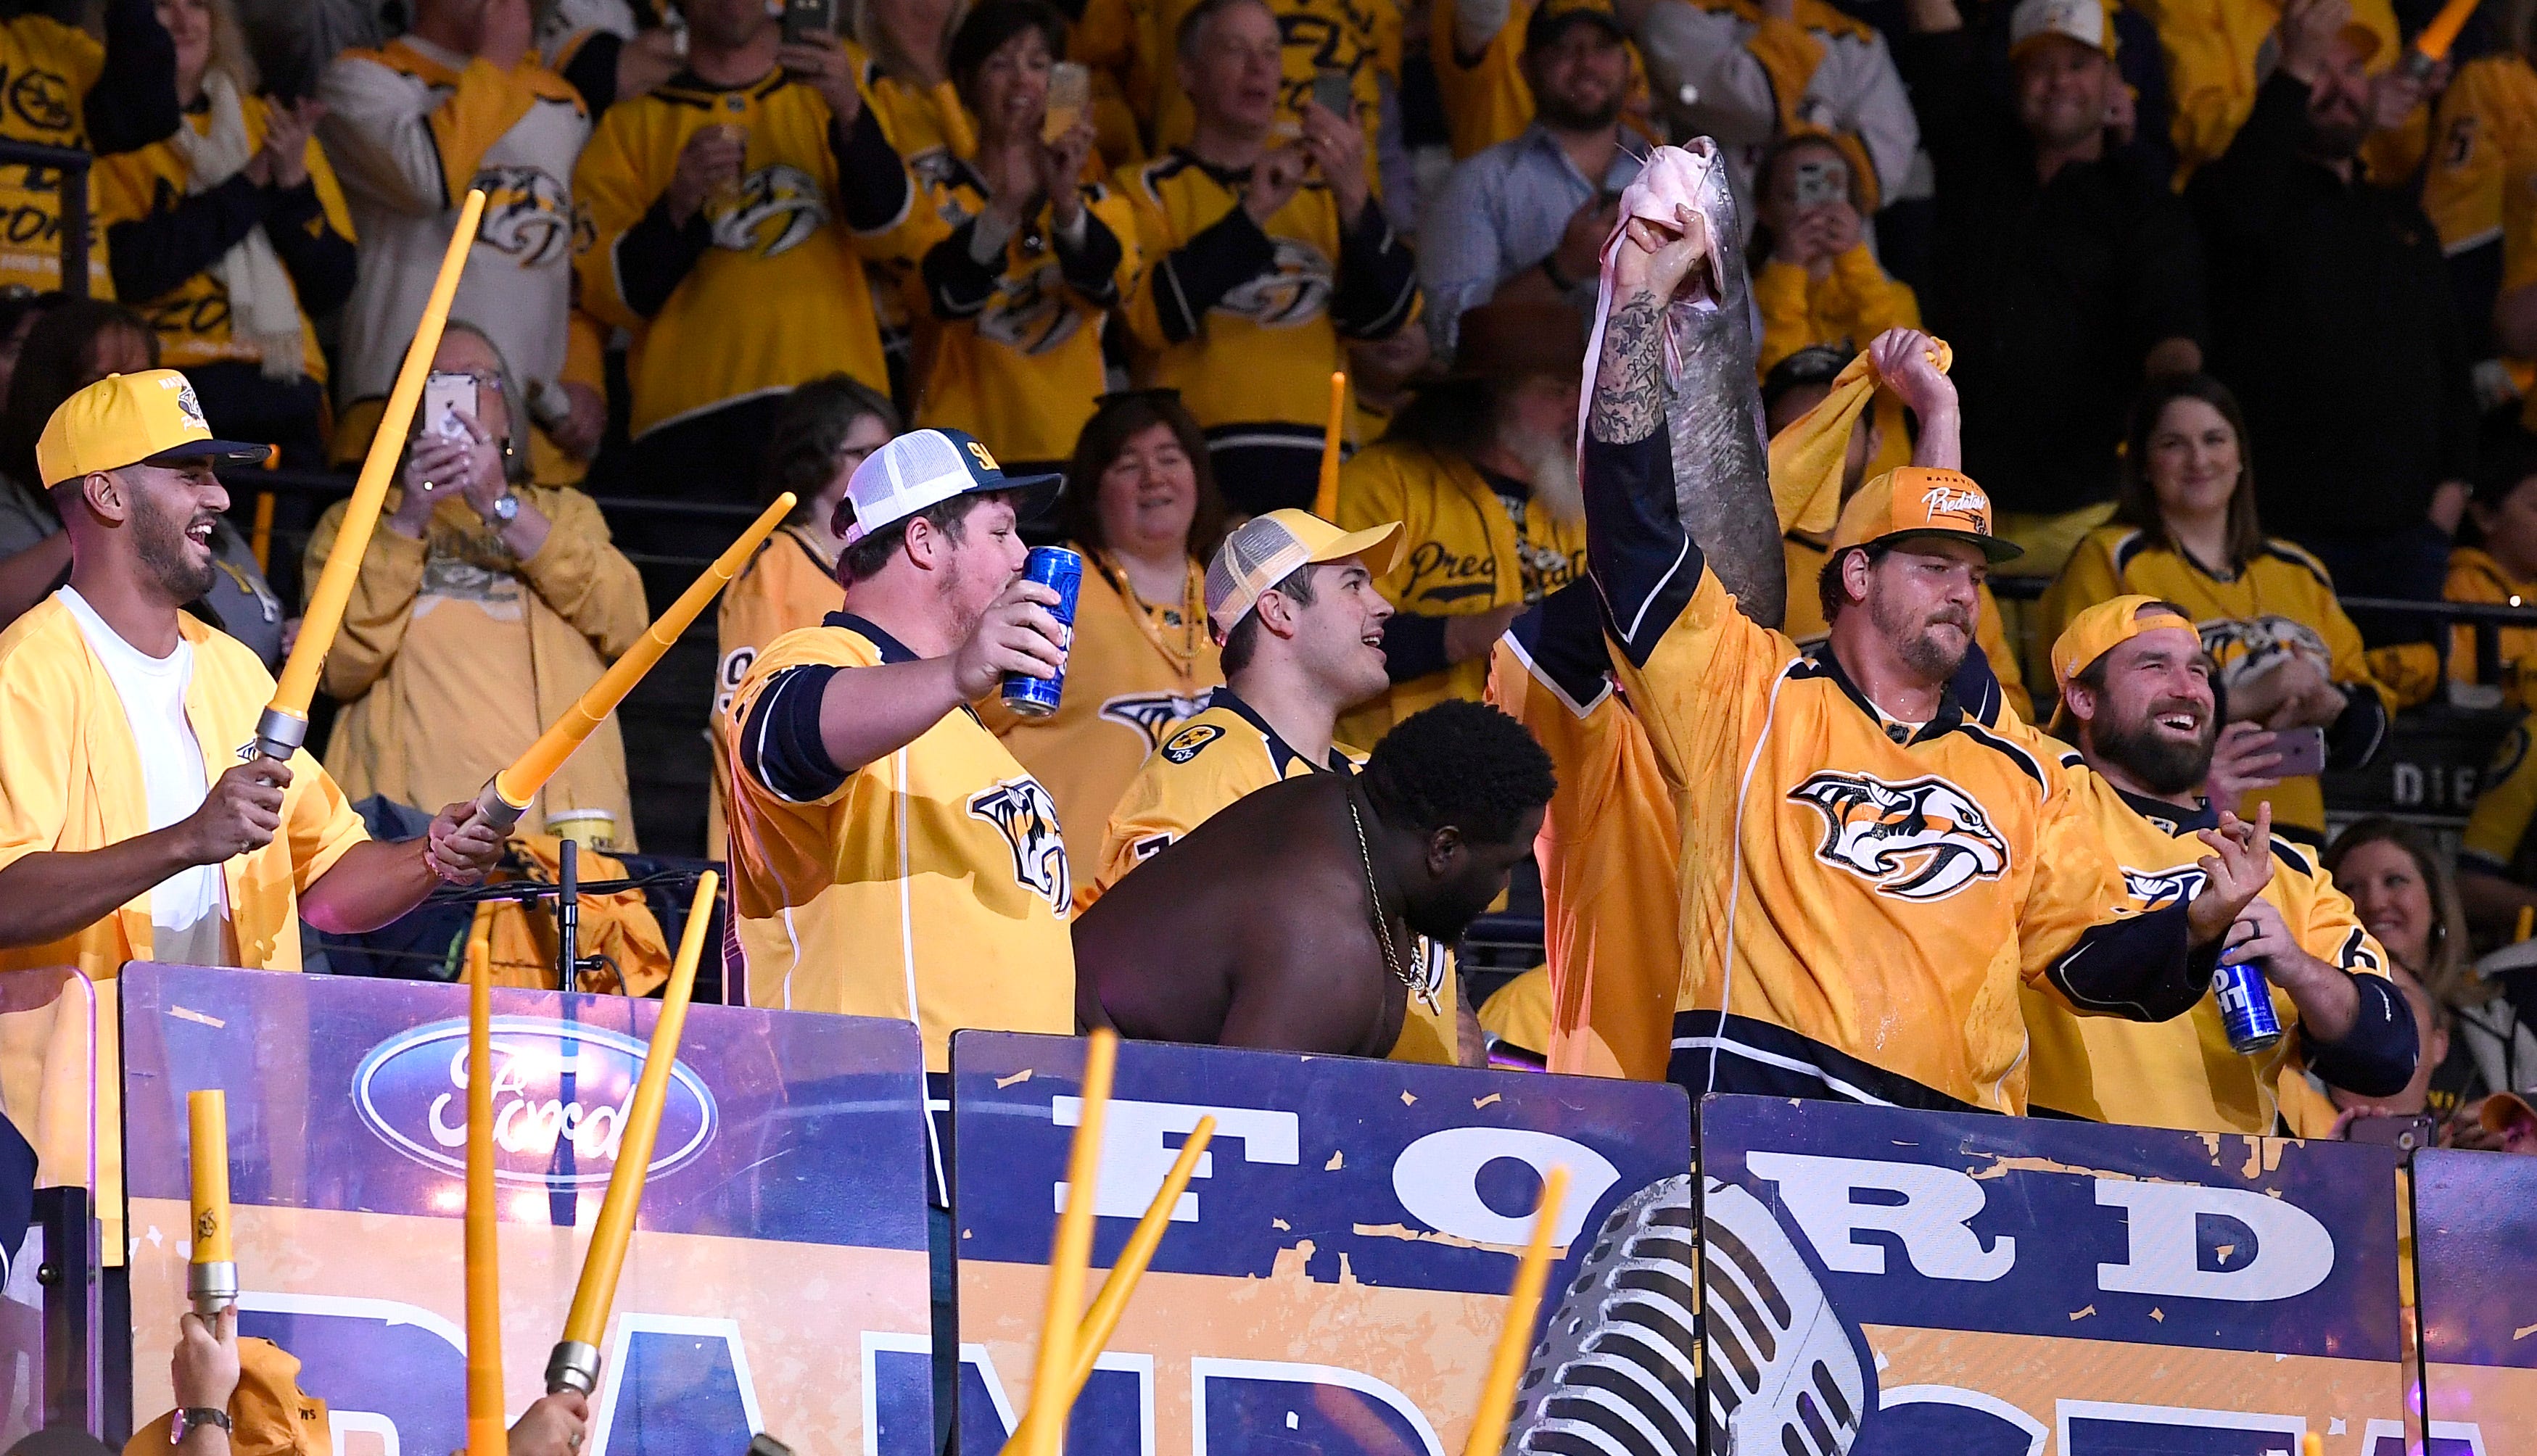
779,1255
1337,1275
2475,1250
1889,1281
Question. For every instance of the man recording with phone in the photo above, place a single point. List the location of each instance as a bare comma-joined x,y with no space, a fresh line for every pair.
1528,217
1261,255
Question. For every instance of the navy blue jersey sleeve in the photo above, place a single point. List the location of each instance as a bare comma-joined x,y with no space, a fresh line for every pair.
2375,1058
2142,967
1645,565
780,745
1562,640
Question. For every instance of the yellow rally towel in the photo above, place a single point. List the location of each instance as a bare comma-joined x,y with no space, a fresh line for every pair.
274,1417
1806,457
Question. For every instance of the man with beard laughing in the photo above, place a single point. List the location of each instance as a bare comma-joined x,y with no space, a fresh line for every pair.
2137,697
129,830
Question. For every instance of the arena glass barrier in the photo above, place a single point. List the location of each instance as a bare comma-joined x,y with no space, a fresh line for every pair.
781,1238
2475,1246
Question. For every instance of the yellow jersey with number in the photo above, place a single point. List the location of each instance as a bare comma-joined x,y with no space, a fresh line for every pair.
2183,1073
931,885
1137,671
1225,751
790,584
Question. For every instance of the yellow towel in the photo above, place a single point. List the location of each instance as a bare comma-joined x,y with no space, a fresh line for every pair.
1806,457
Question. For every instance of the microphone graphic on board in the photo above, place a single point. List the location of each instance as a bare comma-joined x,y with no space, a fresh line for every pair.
1616,1372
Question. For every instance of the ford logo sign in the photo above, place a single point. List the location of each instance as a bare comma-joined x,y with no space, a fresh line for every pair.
561,1098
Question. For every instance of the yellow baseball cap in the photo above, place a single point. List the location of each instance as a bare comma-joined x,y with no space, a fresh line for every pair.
2106,626
126,419
1264,550
1920,500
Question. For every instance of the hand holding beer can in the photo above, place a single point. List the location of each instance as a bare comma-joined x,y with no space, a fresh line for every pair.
2247,1008
1060,571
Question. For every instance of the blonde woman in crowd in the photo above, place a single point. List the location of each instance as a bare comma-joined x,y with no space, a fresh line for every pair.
485,607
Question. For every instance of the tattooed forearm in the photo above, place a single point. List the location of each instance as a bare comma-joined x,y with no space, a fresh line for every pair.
1629,388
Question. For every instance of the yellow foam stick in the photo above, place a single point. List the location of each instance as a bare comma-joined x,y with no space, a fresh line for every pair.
1043,1425
486,1436
1102,1320
507,796
1514,1340
2526,925
284,724
2312,1444
2433,43
574,1364
210,1275
1326,494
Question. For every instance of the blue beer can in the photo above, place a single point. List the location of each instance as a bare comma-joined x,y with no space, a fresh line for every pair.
2246,1008
1060,571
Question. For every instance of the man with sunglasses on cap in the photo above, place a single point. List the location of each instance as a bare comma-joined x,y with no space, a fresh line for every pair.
2137,697
130,829
1291,598
1869,875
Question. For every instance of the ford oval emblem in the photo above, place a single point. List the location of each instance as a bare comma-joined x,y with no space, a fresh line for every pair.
560,1097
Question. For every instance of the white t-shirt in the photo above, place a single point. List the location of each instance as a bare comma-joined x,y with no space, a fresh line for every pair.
188,917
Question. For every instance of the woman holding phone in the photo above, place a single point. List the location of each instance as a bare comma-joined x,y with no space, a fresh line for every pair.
1036,255
486,607
2297,688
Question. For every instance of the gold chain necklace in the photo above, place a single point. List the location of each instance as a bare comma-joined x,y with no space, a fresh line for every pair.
1193,610
1382,921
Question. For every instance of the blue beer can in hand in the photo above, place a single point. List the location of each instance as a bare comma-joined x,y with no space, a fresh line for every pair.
1060,571
2247,1008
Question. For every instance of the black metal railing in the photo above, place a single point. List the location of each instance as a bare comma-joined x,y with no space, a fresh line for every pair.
69,170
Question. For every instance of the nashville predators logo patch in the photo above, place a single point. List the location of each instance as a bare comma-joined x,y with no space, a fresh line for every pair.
2159,889
1183,745
1152,714
1294,291
1920,840
779,209
528,215
1024,814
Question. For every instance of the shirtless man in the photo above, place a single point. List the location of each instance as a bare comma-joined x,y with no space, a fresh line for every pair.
1291,919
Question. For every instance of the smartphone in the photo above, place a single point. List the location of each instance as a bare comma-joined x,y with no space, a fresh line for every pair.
2302,752
443,396
807,18
2405,1134
1334,92
1069,96
1820,180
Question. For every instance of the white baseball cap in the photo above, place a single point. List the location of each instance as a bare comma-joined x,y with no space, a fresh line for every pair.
2083,20
1264,550
925,468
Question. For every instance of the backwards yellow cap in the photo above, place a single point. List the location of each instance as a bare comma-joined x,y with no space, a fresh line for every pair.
1920,500
126,419
2106,626
1266,550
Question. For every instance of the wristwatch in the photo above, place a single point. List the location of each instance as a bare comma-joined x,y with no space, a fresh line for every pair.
192,1415
504,511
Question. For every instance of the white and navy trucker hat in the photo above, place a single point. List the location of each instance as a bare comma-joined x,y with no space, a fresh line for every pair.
924,467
